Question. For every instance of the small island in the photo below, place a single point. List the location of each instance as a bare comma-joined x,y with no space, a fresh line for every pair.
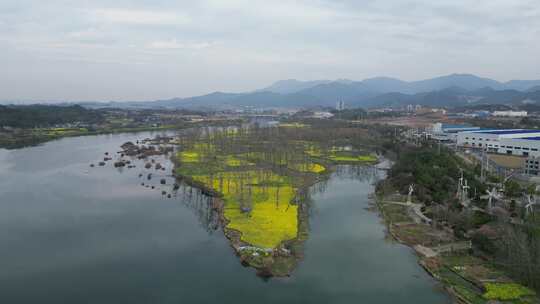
260,180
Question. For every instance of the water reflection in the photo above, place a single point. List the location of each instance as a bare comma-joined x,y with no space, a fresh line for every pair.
201,205
368,174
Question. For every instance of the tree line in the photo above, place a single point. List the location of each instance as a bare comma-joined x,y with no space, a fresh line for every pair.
32,116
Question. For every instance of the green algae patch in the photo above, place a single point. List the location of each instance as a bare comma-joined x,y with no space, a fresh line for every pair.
60,132
232,161
293,125
334,154
189,157
349,159
506,291
310,167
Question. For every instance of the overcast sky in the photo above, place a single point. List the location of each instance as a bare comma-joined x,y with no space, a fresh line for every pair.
153,49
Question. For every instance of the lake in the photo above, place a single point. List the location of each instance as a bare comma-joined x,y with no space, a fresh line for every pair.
74,234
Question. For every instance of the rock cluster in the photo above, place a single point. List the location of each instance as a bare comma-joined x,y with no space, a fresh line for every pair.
150,148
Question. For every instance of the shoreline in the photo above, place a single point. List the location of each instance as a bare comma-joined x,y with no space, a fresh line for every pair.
31,140
420,258
38,140
461,274
377,200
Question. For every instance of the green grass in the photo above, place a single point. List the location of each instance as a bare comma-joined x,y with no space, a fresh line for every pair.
292,125
359,158
468,294
462,287
506,291
395,213
339,154
460,270
309,167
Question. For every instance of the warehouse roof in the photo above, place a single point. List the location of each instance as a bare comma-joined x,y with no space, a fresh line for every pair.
453,126
504,132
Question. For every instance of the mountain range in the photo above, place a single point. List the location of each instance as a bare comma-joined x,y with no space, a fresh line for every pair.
446,91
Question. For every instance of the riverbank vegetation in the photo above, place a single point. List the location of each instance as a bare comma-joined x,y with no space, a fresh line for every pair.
46,116
29,125
479,254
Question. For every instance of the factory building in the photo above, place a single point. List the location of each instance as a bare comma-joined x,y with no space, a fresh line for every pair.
518,142
448,132
510,113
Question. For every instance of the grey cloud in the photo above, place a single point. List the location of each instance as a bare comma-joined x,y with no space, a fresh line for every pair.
132,50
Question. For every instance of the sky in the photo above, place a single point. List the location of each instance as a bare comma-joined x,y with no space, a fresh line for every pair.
102,50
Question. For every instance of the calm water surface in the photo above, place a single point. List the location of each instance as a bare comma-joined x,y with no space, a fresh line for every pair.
74,234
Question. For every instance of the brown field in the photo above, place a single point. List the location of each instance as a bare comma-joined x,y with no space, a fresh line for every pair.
507,161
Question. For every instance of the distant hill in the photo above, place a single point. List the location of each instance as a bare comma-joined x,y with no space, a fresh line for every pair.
387,100
521,85
465,81
445,91
449,97
208,100
219,100
292,86
330,93
452,97
534,89
269,99
388,85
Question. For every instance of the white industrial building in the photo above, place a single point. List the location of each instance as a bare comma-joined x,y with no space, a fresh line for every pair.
519,142
448,132
322,115
510,113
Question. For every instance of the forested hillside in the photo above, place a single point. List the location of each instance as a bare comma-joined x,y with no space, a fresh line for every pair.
46,115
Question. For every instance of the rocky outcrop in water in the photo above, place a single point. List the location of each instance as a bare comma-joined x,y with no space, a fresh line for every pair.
150,147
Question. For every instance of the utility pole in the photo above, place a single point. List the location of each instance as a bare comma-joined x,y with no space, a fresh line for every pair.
460,184
465,196
482,166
